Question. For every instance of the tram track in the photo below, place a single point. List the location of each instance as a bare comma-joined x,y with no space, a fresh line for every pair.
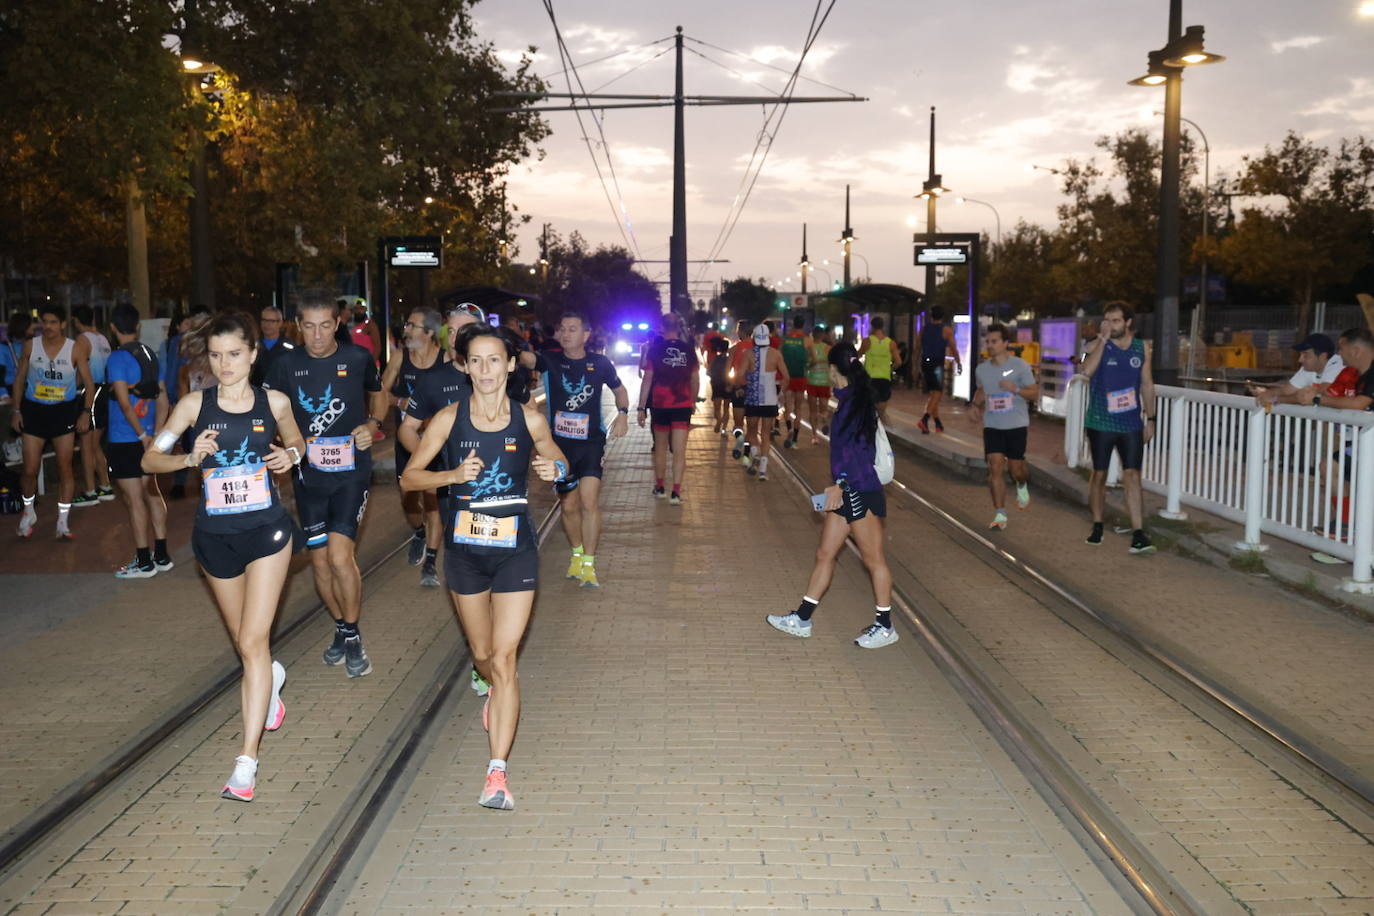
1150,878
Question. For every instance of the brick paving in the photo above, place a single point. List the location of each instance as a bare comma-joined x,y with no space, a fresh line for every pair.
678,754
1250,828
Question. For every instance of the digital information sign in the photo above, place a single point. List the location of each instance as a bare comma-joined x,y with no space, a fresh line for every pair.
939,255
420,251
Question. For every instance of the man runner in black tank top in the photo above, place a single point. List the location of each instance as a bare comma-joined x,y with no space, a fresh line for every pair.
337,401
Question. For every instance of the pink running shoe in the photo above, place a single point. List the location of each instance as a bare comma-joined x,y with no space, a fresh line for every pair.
496,794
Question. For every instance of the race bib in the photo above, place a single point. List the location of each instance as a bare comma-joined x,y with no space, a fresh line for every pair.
1121,401
1000,403
330,453
570,425
50,394
243,488
484,531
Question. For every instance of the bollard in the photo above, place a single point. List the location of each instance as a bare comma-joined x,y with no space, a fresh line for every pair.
1177,443
1363,519
1256,465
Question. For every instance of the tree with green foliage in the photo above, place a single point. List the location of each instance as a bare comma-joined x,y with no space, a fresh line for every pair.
1318,235
600,283
747,299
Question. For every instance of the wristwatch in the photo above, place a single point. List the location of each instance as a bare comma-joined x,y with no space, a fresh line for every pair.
1316,400
625,410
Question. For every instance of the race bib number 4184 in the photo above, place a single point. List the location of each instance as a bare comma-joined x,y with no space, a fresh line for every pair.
242,488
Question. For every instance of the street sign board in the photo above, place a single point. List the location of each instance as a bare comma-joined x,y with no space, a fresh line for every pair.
415,251
938,254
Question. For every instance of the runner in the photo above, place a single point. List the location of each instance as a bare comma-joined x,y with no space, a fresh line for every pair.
742,345
337,400
138,406
243,536
818,383
363,332
1121,407
762,365
718,371
880,356
51,370
672,379
795,354
937,342
421,510
1005,383
93,468
855,504
491,557
572,390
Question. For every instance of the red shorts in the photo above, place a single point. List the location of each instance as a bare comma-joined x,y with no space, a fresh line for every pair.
796,384
818,391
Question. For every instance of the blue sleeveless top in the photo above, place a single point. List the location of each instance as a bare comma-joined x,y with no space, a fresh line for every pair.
1114,395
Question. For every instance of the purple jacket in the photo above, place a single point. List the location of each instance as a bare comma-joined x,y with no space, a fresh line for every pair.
851,456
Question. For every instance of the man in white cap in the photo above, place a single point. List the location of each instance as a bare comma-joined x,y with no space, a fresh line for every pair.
763,366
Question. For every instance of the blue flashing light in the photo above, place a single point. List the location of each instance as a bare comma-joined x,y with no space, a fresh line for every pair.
627,327
644,325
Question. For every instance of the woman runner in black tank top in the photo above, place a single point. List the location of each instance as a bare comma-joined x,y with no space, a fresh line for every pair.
243,536
490,555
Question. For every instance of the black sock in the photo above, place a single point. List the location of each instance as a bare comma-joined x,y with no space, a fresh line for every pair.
349,630
420,532
807,608
430,554
883,617
925,417
160,547
145,556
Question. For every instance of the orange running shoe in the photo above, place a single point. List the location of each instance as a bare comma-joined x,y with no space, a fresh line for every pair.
496,794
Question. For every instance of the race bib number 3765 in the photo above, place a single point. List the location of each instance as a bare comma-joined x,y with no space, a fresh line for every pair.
331,453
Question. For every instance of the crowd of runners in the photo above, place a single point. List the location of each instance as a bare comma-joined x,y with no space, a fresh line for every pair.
255,409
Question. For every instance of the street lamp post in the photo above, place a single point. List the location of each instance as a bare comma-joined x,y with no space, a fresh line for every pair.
930,191
1184,49
997,216
1202,270
847,238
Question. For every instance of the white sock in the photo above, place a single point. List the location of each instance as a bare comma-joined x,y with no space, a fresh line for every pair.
763,465
63,509
496,764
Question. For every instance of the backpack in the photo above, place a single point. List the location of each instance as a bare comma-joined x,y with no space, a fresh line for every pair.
884,462
146,389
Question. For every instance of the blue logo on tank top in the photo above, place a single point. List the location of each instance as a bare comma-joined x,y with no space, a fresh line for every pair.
491,482
323,412
577,392
241,455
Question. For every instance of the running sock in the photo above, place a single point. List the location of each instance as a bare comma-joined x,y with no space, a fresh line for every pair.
159,547
587,559
419,532
431,554
145,556
677,489
349,630
807,607
496,764
577,552
763,465
884,616
63,510
28,501
658,483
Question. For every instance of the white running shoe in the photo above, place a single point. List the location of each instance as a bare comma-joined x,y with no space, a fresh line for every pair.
243,780
790,624
135,571
875,637
999,521
1022,496
276,709
27,521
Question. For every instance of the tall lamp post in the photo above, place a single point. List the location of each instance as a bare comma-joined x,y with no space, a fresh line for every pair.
1206,216
997,216
847,238
931,190
1184,49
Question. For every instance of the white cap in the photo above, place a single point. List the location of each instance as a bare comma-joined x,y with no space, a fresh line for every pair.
761,335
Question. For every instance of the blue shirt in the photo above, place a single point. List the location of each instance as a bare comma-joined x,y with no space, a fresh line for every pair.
851,456
9,361
123,367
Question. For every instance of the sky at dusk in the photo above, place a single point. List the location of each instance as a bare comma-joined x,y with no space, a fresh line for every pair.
1015,83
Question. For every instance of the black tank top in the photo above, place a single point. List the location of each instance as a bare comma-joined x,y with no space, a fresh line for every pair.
239,492
501,491
404,386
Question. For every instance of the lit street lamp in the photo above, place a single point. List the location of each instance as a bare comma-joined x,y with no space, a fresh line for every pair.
1184,49
996,215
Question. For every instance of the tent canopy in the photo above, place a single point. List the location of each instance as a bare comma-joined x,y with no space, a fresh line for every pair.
879,297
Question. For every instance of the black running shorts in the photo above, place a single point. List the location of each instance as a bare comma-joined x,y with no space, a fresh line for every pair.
469,573
767,411
50,421
721,391
1130,446
331,508
124,460
226,556
855,504
933,374
882,390
671,417
1009,442
584,456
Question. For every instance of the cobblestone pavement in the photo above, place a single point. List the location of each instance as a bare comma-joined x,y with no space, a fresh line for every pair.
676,753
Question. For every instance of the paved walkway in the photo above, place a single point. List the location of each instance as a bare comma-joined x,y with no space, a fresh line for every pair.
678,754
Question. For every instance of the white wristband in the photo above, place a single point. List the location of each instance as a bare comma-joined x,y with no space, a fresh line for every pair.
296,455
164,442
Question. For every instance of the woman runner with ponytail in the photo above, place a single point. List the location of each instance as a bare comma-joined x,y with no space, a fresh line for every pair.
855,504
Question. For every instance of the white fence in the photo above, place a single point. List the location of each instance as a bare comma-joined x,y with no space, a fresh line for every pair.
1303,474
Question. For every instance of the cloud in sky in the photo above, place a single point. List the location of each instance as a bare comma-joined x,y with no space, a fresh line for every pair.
1356,104
1301,43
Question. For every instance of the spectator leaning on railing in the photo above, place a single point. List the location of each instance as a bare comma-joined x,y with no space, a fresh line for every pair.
1347,393
1320,365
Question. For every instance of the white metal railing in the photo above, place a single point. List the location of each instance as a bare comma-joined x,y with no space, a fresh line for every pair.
1303,474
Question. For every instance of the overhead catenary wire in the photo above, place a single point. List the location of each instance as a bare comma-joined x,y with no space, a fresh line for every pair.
622,216
764,143
762,63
